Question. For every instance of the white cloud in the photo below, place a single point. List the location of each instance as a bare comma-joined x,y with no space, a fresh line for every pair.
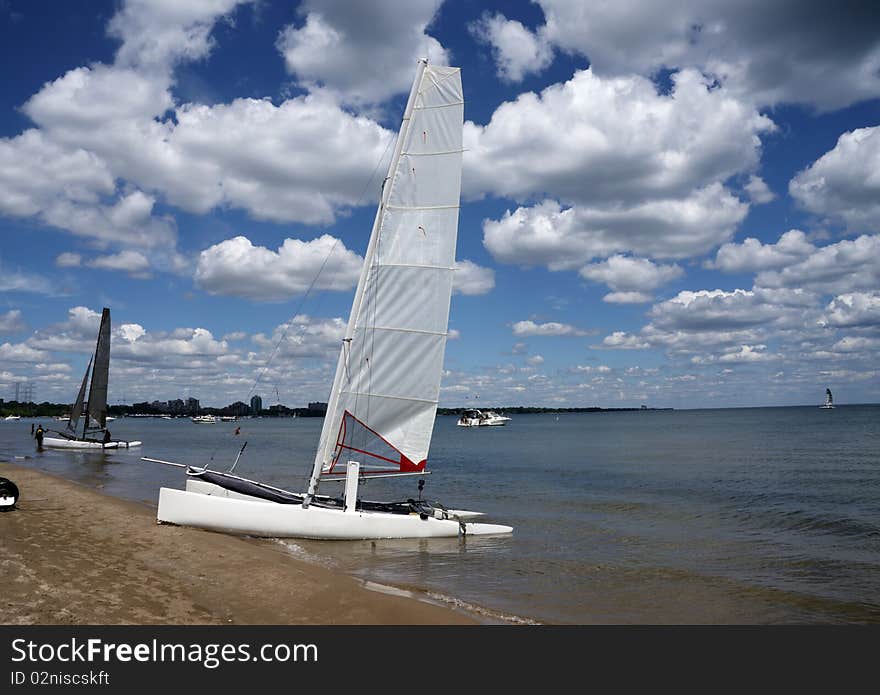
516,49
363,53
845,266
20,352
758,190
305,336
535,360
855,309
844,183
566,238
470,278
22,281
594,140
631,279
11,322
68,260
136,344
752,255
813,53
132,262
530,328
236,267
157,33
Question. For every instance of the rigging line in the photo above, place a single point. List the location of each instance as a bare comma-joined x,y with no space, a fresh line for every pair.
315,279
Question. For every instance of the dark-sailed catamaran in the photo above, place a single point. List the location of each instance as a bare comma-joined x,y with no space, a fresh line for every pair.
92,434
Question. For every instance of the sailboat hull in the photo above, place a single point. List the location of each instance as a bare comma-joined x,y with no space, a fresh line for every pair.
235,513
56,443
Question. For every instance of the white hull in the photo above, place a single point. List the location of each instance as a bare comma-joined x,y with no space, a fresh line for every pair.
214,508
56,443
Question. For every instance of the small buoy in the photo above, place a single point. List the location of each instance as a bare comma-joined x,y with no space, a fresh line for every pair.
8,494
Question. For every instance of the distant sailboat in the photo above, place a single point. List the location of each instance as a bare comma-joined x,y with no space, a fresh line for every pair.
95,406
829,400
382,406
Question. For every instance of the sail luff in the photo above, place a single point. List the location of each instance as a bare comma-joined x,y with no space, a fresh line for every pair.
76,409
333,418
97,407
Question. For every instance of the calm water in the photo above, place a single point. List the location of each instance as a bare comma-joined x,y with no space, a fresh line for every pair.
767,515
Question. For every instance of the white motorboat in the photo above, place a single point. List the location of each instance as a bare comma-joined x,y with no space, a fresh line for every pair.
205,419
383,402
478,418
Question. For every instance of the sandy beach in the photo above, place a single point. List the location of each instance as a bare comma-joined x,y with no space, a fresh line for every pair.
70,555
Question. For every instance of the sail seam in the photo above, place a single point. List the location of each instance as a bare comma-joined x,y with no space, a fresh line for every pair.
422,207
438,106
397,398
415,265
402,330
431,154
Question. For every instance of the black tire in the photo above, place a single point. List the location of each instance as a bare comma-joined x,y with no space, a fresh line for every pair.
8,489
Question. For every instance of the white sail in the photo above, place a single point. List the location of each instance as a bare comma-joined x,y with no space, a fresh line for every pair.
384,397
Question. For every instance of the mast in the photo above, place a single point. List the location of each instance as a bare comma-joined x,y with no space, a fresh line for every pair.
97,406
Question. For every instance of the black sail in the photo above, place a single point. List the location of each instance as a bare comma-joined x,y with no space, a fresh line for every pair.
101,373
77,408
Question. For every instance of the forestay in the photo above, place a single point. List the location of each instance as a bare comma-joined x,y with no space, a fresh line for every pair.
384,398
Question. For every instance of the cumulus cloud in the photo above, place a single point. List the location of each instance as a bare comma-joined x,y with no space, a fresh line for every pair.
854,309
134,343
592,140
551,328
844,183
337,47
20,352
811,53
845,266
759,192
632,279
11,322
305,336
470,278
517,50
566,238
132,262
236,267
752,255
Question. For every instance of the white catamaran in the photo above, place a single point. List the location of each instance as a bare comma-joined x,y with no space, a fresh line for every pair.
382,406
95,411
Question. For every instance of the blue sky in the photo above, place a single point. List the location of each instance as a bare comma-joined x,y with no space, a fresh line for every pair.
673,204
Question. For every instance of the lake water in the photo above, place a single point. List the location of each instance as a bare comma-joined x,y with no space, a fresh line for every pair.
766,515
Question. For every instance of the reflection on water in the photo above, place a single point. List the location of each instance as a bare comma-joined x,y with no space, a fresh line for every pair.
724,516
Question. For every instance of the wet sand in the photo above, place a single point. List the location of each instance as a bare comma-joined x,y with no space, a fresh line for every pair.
71,556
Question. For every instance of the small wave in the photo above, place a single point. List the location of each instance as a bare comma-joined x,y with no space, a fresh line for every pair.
479,610
301,553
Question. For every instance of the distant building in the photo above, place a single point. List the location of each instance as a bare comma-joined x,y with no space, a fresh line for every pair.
256,405
318,407
238,408
192,406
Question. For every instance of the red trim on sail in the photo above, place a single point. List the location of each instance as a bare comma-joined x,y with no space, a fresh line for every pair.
403,463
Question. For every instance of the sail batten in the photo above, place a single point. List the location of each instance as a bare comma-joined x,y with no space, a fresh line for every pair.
387,383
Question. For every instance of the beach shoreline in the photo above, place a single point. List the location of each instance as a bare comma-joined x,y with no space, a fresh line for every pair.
71,555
